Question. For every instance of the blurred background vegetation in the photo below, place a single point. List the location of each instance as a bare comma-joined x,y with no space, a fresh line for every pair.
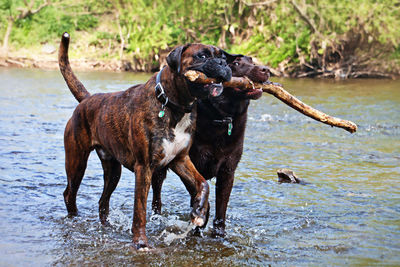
299,38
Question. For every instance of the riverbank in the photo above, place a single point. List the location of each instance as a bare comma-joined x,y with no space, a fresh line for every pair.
50,62
46,57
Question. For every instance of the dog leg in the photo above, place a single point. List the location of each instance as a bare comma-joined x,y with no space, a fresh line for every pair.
75,166
156,184
112,173
142,185
197,187
222,191
188,185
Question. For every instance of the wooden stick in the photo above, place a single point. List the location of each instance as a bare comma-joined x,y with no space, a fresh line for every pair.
280,93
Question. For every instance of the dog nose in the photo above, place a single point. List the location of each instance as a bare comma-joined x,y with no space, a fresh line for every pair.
221,62
265,69
225,75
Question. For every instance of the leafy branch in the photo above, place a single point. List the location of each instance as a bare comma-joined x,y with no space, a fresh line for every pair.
23,12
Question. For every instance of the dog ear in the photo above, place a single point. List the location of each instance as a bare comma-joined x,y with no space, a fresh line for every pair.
174,58
231,57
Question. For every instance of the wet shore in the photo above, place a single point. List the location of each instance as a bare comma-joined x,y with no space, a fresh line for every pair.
50,62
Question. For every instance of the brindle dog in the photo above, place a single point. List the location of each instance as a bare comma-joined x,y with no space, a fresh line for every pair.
145,128
218,142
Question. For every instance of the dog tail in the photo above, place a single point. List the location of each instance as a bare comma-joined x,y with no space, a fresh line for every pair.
77,89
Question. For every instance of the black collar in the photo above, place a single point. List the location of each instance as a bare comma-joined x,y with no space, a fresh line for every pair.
163,98
223,121
208,109
212,111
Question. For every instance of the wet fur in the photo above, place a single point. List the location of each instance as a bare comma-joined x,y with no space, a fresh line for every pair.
125,130
214,152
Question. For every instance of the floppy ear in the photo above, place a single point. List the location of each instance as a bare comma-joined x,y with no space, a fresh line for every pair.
174,58
231,57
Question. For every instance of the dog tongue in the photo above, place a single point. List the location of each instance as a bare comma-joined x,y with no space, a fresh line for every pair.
216,91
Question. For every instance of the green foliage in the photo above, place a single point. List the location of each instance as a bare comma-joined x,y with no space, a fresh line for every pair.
154,26
273,33
48,24
86,22
290,32
5,4
43,27
104,36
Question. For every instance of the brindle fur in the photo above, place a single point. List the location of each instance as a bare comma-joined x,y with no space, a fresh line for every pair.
124,129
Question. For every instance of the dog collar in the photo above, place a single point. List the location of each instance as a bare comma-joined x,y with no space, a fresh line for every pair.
165,102
208,108
225,121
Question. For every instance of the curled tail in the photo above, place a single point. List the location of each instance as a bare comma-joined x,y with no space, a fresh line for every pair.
78,90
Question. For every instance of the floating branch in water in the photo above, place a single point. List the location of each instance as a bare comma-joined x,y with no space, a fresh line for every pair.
280,93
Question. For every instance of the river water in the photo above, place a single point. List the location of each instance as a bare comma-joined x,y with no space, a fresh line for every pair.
347,214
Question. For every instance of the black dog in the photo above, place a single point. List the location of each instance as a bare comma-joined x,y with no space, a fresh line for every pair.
218,142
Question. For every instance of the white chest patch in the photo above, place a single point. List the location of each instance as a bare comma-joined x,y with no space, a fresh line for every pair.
180,141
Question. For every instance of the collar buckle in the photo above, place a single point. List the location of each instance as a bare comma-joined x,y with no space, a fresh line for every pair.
160,95
226,120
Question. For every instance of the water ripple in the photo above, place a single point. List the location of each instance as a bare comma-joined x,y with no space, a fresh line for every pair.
347,214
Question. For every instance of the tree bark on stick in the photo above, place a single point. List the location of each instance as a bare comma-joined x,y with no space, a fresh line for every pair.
280,93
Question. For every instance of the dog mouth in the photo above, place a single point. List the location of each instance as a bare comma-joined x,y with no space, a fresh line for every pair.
252,93
215,89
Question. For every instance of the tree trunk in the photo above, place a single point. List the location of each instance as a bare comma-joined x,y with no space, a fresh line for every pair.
7,36
121,35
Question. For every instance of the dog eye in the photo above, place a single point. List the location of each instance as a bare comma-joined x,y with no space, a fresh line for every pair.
236,63
202,56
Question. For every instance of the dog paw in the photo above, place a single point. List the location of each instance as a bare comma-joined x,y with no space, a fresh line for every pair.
105,223
72,214
198,221
200,215
218,232
144,249
140,246
218,228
